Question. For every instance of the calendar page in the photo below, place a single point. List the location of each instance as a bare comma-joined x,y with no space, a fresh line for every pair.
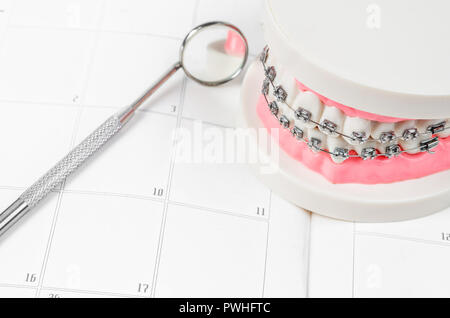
137,220
134,221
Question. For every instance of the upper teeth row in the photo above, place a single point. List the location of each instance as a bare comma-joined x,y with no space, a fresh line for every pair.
357,131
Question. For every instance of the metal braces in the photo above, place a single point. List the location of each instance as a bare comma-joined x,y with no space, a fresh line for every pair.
330,128
370,153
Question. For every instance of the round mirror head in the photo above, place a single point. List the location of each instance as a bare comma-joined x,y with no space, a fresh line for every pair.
214,53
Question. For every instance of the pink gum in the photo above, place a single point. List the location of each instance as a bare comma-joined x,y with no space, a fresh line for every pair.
349,111
234,45
356,170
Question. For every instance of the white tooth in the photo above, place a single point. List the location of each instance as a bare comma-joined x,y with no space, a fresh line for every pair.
270,95
411,146
312,135
379,128
310,102
333,144
401,126
422,126
289,84
354,126
333,115
368,144
287,111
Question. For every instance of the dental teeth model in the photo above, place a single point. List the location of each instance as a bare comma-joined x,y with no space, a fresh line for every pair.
375,139
363,118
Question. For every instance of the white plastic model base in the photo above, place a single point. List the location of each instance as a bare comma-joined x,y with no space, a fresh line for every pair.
352,202
397,68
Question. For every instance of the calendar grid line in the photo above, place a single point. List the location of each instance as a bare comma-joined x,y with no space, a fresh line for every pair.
221,211
353,259
180,118
148,110
147,198
308,255
206,209
37,288
48,245
72,143
92,292
71,290
115,194
13,188
402,238
267,245
83,29
6,285
206,122
168,188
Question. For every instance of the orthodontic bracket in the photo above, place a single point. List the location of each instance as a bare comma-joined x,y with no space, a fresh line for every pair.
273,106
328,127
410,134
297,133
271,73
368,153
387,137
314,144
303,114
360,137
341,153
264,54
265,86
436,128
429,144
280,93
393,151
284,121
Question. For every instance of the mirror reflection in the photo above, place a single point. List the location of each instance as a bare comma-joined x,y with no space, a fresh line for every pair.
215,53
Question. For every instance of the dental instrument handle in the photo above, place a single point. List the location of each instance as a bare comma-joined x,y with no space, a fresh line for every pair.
75,158
54,177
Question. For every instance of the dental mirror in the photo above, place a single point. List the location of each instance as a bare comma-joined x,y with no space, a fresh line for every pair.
214,53
211,54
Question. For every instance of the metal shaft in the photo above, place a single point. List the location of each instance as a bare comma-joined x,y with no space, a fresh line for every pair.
12,214
149,92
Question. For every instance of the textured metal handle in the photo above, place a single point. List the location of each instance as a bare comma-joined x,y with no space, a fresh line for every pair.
71,162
